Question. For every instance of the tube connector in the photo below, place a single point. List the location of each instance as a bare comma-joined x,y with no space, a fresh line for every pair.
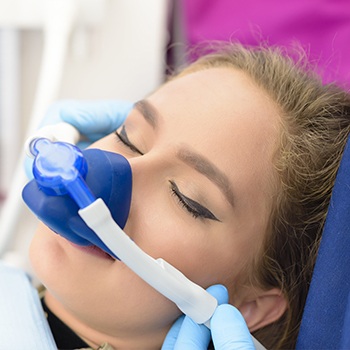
60,168
63,132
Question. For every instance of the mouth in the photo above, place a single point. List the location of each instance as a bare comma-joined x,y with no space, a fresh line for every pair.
94,250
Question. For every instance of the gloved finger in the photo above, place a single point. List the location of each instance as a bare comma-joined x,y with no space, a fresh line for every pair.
171,337
195,336
28,167
93,118
83,144
53,113
229,329
219,292
192,336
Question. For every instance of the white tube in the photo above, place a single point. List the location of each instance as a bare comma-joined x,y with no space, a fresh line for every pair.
9,105
191,299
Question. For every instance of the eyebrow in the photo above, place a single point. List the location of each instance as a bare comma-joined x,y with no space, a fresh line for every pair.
200,163
208,169
149,112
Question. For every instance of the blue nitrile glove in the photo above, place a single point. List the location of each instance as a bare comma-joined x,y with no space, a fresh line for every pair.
94,119
228,329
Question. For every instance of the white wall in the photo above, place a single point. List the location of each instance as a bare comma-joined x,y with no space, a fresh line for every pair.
120,57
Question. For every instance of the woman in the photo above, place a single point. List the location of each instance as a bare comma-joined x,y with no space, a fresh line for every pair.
233,163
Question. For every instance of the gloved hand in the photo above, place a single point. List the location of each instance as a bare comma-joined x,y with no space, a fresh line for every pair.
93,119
228,329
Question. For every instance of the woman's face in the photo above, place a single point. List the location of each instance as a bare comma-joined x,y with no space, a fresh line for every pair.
201,150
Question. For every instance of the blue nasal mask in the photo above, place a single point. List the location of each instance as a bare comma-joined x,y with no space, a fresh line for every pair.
67,179
85,197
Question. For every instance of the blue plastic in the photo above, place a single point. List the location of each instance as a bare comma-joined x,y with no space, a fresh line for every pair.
108,177
326,319
60,168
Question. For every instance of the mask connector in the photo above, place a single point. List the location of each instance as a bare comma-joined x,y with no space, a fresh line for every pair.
60,168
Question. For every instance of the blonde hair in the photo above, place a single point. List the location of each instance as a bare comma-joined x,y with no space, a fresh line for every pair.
315,127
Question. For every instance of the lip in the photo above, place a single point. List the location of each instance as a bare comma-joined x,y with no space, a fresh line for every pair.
93,250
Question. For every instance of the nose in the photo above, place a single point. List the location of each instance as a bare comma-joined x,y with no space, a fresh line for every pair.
147,170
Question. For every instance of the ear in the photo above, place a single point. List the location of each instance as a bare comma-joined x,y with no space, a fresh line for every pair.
264,308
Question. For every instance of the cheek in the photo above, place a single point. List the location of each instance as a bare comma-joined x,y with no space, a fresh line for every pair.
205,254
45,253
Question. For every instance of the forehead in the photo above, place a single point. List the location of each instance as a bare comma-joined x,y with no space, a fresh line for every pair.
224,115
221,95
218,106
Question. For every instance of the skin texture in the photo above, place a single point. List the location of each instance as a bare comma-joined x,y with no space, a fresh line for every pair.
222,116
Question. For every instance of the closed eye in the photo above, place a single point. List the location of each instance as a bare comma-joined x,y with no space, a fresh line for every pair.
193,207
123,137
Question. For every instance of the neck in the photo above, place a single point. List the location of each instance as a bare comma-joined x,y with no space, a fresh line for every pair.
95,338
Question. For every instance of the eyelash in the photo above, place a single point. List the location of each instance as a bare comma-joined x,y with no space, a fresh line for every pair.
201,212
125,141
